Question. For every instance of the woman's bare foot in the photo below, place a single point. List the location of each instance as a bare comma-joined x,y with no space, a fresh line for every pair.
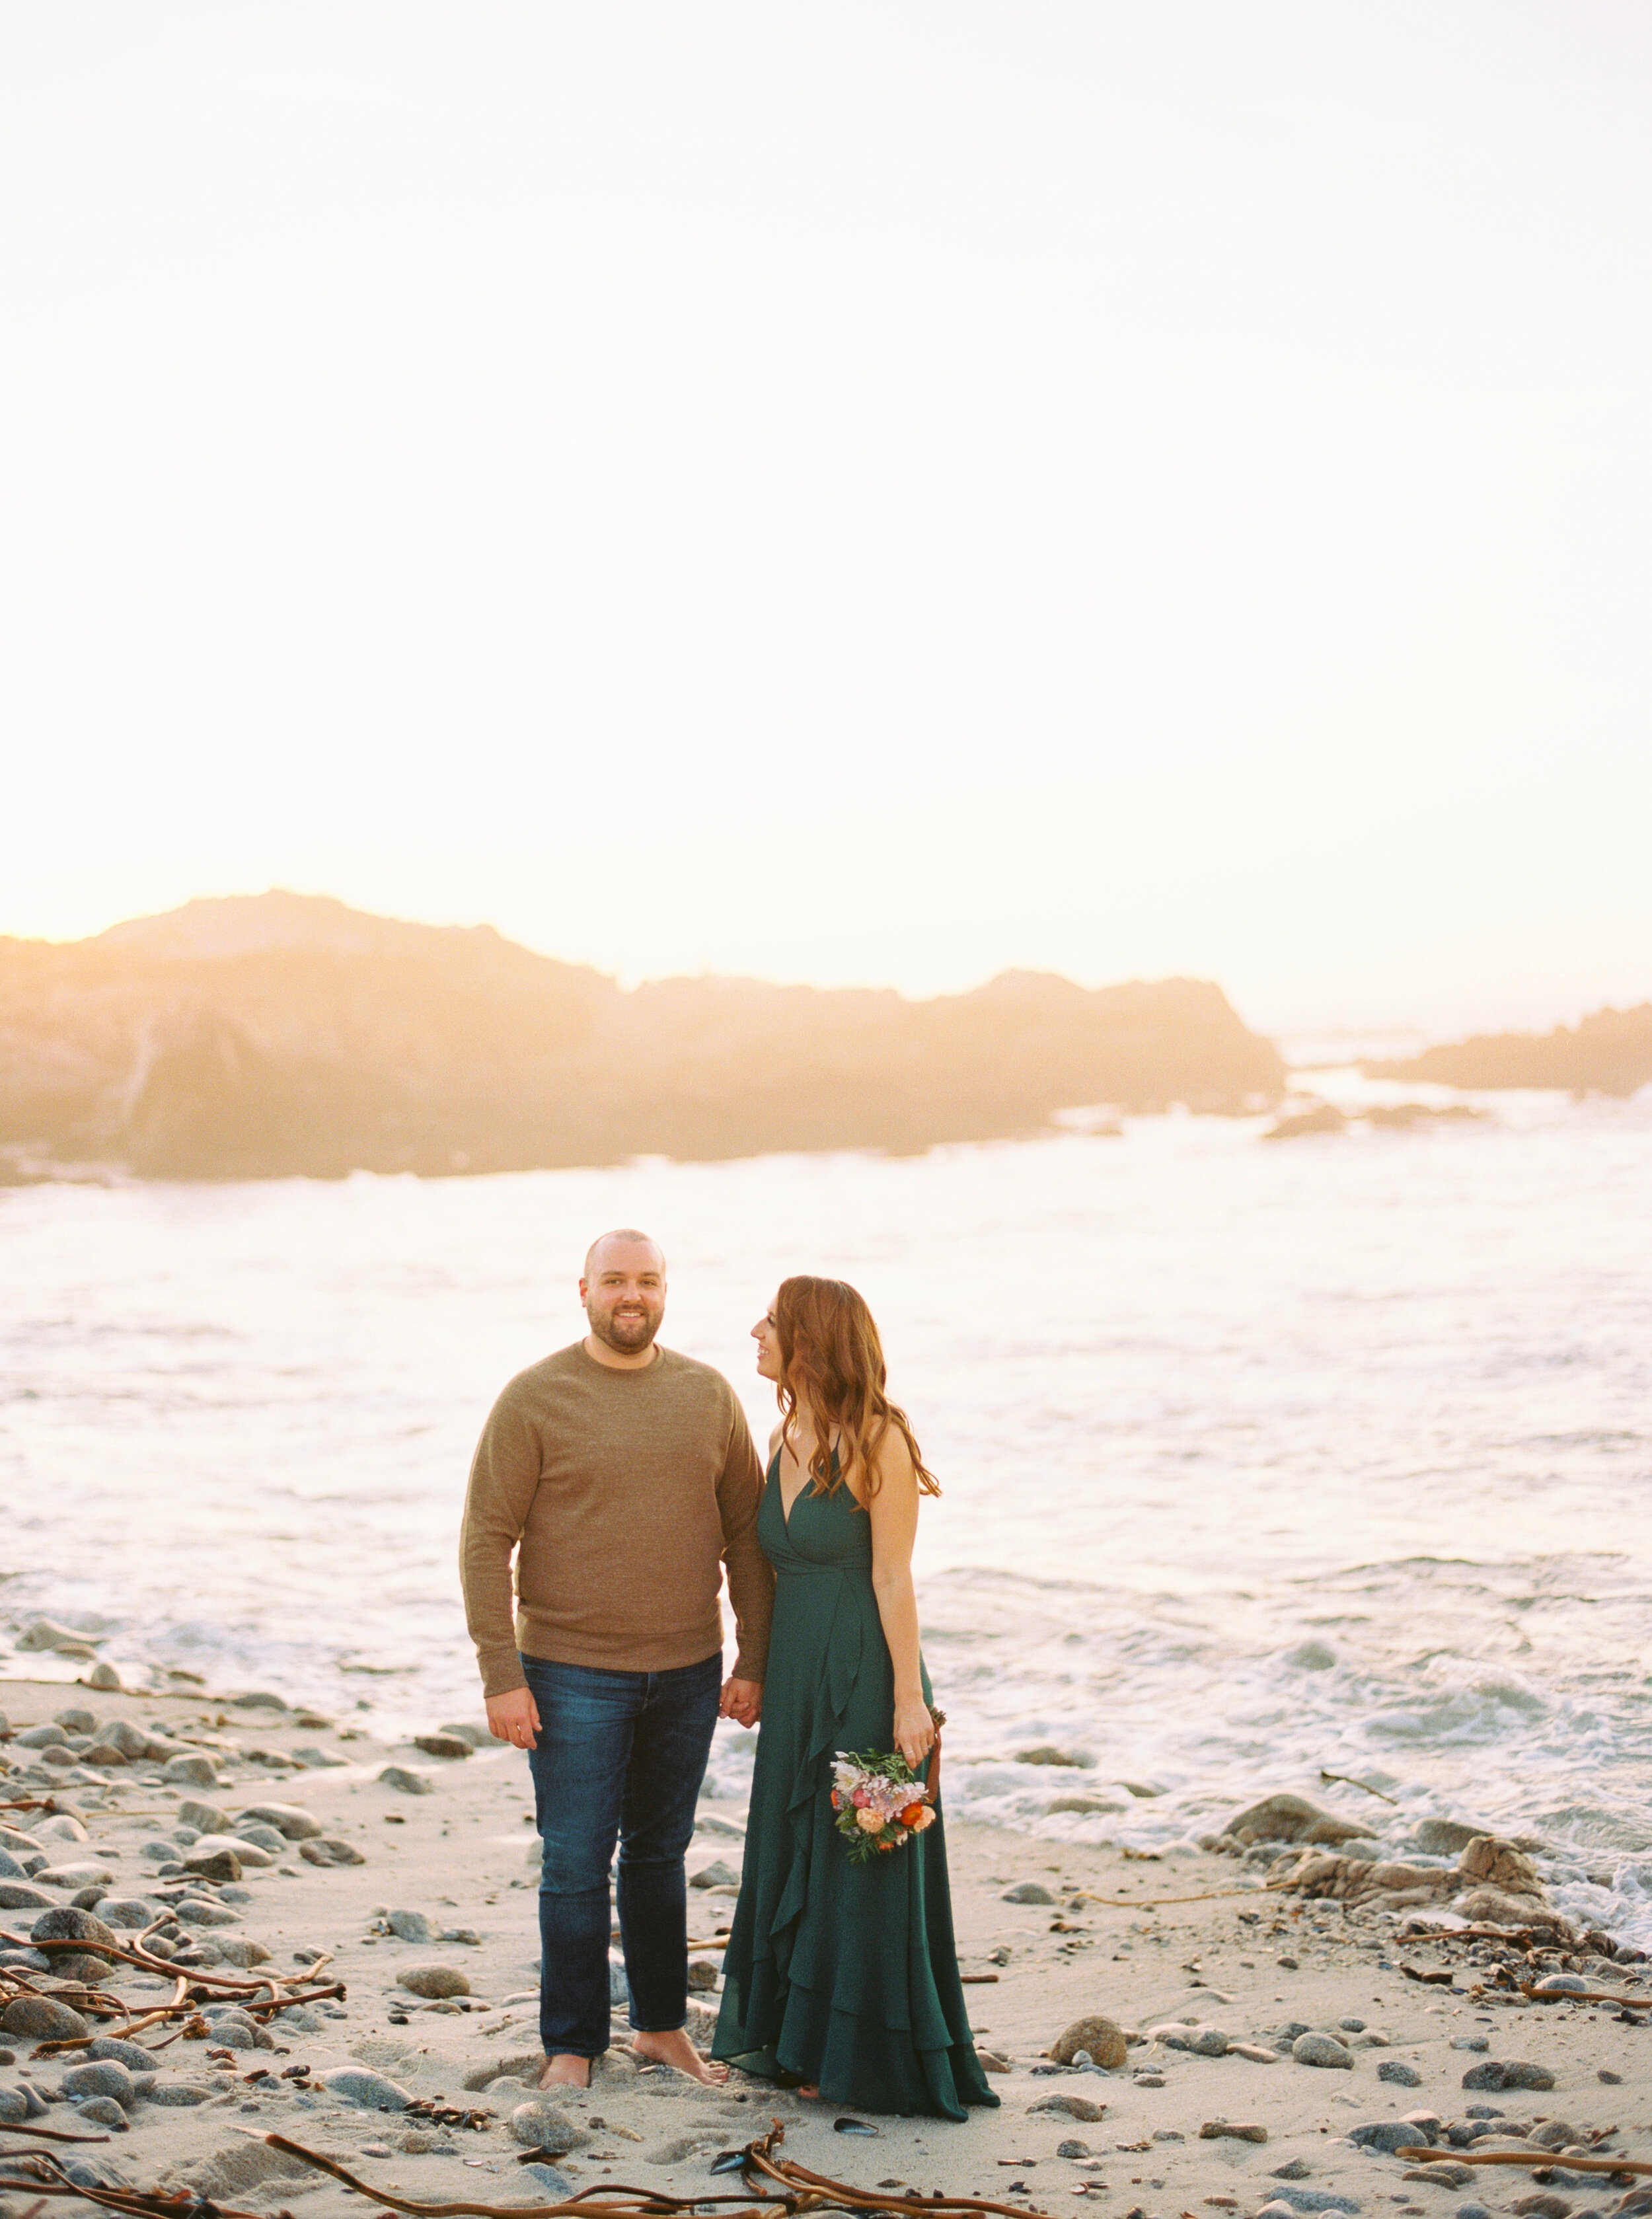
809,2091
566,2071
675,2049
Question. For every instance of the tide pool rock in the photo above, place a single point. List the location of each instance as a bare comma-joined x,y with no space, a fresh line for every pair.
1323,2049
369,2092
435,1980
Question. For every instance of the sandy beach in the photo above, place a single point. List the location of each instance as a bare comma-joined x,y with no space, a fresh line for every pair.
1188,1942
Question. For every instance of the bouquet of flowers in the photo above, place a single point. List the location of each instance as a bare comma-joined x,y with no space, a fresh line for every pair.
880,1801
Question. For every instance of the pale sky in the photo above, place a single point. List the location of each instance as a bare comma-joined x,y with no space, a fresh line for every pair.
860,492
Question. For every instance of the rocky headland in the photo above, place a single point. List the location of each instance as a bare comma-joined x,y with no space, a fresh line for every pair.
1609,1053
277,1035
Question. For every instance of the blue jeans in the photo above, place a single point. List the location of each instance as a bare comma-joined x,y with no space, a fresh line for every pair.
620,1755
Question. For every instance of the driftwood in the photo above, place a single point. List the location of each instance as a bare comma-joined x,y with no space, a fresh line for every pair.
1427,2153
1347,1779
1537,1995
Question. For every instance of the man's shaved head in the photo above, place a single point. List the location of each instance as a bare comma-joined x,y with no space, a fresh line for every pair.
629,1237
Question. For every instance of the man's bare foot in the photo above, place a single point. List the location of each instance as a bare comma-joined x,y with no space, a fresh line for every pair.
566,2071
809,2091
675,2049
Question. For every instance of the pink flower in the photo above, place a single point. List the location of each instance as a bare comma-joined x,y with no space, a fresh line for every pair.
860,1799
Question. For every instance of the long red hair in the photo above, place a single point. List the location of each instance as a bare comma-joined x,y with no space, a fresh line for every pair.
832,1368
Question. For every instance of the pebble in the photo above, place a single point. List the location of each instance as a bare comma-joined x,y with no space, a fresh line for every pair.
435,1980
177,2095
13,2107
194,1910
265,1837
1389,2134
1316,2199
103,2111
101,2077
1293,2169
1321,2049
716,1875
1562,1984
41,2018
213,1864
1071,2107
1441,2176
290,1820
42,1737
1471,2212
1395,2070
22,1895
1072,2149
66,1923
552,2178
104,1678
412,1926
442,1744
353,2084
1102,2037
244,1851
405,1783
126,1912
196,1771
375,2149
541,2125
327,1851
1219,2130
1027,1891
1496,2073
1480,2042
132,2055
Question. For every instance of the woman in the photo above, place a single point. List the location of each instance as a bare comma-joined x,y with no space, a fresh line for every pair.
842,1979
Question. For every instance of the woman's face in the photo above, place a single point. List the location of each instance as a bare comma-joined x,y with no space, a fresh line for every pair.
768,1346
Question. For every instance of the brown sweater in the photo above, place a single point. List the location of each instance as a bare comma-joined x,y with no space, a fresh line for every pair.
627,1491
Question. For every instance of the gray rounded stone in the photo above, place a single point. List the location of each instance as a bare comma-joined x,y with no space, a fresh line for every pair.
1027,1891
128,1912
177,2095
413,1926
194,1911
371,2091
1401,2075
1322,2049
42,2018
65,1924
1388,2134
23,1895
191,1771
290,1820
132,2055
103,2111
405,1782
13,2107
541,2125
102,2076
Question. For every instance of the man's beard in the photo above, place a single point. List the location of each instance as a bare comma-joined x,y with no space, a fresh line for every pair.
628,1336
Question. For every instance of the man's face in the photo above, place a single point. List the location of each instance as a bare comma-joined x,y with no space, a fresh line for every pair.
625,1297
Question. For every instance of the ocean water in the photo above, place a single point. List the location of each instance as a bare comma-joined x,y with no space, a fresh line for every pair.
1259,1460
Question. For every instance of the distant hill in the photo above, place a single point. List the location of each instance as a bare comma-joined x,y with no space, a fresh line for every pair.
277,1033
1610,1053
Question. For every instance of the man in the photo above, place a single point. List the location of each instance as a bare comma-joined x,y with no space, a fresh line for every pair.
624,1475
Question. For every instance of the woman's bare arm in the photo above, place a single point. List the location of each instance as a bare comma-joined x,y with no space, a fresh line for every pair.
893,1510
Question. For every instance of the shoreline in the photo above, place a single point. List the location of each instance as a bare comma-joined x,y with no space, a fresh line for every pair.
1185,1943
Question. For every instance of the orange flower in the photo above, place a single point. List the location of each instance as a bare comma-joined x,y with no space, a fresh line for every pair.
885,1847
913,1814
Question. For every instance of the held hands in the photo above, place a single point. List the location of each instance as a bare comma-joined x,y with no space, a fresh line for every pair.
915,1730
741,1700
514,1717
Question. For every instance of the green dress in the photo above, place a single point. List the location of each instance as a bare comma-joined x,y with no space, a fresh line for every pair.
842,1974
